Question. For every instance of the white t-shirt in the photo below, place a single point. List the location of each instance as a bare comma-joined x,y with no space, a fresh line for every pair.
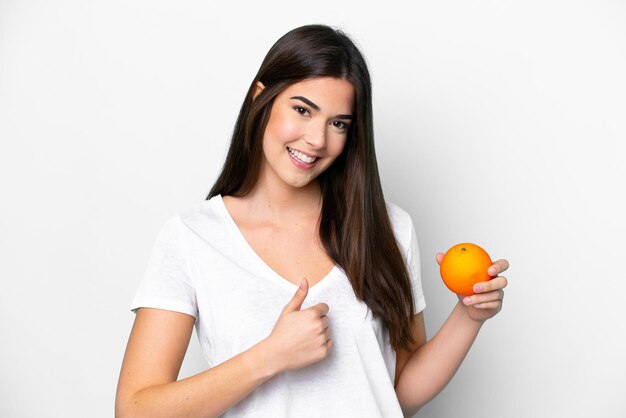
202,265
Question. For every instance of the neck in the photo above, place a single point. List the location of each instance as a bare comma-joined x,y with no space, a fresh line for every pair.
277,201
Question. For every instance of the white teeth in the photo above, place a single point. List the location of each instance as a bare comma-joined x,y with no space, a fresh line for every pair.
300,156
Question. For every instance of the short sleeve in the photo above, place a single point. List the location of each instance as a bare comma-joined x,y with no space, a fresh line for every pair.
167,282
406,237
414,267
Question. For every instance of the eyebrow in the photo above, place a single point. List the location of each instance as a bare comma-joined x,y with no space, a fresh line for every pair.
316,107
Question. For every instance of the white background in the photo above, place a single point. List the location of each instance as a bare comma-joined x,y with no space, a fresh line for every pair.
497,122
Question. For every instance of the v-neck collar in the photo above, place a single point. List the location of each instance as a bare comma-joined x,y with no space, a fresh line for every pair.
270,273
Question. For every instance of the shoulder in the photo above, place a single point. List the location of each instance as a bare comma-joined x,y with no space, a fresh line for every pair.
204,219
199,212
401,223
200,218
398,215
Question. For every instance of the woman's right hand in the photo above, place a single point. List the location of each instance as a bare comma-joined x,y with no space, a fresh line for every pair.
300,337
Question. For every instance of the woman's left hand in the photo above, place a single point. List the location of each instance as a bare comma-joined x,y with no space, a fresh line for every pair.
487,300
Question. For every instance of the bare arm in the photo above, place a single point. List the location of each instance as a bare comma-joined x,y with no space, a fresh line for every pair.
418,331
432,366
157,346
147,384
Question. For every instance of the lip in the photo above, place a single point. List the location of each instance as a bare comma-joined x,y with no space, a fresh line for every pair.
300,164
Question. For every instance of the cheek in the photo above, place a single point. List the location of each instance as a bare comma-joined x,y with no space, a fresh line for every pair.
337,146
284,129
289,131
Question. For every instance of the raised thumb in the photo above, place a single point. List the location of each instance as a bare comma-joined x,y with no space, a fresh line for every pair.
296,301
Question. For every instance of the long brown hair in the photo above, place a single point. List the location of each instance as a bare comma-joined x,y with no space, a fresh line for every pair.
354,227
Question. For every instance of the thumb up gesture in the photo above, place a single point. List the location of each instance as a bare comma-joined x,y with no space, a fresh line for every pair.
300,337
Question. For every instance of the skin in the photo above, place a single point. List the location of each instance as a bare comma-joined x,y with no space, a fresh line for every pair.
487,301
285,195
279,177
431,367
294,122
279,217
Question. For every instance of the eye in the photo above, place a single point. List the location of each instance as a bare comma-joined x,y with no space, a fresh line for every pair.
301,110
341,125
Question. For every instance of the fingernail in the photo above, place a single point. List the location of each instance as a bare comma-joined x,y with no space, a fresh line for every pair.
492,270
467,301
478,288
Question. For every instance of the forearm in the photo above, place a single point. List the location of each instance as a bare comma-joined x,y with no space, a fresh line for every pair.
432,366
206,394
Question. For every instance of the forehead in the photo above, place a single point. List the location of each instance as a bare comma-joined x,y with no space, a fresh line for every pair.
329,93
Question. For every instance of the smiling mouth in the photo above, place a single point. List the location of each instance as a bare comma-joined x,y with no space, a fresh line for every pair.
302,157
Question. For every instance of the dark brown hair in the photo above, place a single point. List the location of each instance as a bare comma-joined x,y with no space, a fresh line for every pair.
354,226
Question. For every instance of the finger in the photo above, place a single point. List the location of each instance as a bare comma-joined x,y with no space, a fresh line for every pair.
439,257
295,304
321,309
499,282
325,321
498,267
489,305
495,295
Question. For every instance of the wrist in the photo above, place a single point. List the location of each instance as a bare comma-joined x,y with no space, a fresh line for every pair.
263,359
471,320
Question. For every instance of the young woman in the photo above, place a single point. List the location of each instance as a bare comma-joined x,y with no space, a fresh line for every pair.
303,283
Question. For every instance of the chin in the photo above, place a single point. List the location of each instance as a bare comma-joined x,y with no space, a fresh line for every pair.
300,183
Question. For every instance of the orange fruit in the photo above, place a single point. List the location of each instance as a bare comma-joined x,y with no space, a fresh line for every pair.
463,266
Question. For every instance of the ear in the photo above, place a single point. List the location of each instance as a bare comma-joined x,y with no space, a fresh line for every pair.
258,89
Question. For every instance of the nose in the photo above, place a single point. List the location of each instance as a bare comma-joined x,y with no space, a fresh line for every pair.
316,137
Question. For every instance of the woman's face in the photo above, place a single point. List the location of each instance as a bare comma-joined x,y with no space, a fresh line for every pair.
307,130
